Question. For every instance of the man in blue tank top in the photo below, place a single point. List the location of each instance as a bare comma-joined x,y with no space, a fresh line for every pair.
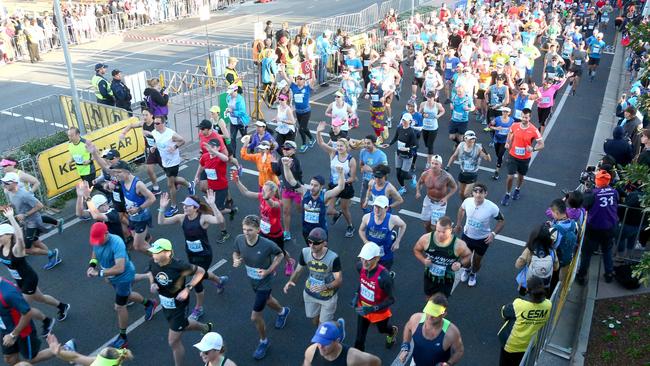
384,229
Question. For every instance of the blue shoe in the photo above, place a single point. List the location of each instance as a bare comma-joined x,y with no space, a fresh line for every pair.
155,191
312,143
414,181
120,342
341,324
303,148
53,260
221,286
281,320
505,201
260,352
171,211
516,195
150,309
401,190
287,235
70,346
191,189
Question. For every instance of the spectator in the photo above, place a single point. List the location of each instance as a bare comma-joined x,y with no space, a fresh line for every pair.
268,30
283,32
156,99
323,49
632,125
644,155
121,92
631,216
34,35
102,89
231,75
619,147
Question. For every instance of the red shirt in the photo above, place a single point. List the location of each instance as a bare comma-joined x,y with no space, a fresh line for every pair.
213,135
522,138
600,4
271,218
215,170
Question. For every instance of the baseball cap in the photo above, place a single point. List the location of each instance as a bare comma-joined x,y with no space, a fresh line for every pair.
232,88
336,122
111,154
317,234
115,72
11,177
215,109
320,179
381,201
6,229
469,134
214,142
98,233
205,124
500,64
160,245
602,178
504,109
369,251
264,145
326,333
210,341
121,165
289,145
7,162
260,124
100,66
434,309
407,117
437,158
98,200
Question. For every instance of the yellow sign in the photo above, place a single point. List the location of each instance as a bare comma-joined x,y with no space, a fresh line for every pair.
94,115
60,175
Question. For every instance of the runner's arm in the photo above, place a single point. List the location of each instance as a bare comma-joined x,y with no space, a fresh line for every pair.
94,212
539,144
338,189
19,246
397,198
30,180
276,262
131,126
457,347
117,269
244,191
178,140
464,253
419,247
142,190
453,187
453,157
309,355
460,216
353,171
362,228
401,226
386,284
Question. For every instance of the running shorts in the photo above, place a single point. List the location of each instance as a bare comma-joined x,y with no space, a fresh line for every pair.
432,210
457,127
171,171
437,284
467,177
261,297
28,347
519,166
347,193
177,318
479,246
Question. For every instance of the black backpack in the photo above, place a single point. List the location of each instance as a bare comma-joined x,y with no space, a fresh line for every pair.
623,275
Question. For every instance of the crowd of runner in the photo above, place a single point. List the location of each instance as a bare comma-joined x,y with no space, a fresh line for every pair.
473,72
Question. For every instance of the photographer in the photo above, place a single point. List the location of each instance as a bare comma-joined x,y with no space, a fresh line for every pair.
601,203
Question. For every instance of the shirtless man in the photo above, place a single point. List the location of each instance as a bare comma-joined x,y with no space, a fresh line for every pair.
440,186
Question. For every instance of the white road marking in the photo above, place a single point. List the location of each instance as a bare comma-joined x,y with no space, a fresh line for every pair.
551,123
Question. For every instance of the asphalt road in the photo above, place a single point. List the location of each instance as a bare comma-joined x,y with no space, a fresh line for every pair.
475,310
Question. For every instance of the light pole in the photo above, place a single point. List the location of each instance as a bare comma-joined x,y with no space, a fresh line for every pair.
76,107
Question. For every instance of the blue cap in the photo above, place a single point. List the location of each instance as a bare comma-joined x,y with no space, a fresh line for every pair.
326,333
100,66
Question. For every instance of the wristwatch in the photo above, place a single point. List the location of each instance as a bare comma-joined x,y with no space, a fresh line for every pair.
189,287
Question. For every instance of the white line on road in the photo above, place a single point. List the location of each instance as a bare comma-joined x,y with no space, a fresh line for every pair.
551,123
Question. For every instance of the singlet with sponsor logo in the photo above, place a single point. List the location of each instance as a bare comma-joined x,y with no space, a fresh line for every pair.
196,237
170,279
441,258
164,142
314,211
132,198
379,233
17,266
469,160
371,293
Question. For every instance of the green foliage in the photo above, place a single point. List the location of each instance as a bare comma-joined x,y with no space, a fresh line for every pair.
639,35
642,270
34,146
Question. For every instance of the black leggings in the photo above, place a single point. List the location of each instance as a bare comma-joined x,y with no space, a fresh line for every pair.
303,127
233,136
542,114
429,137
49,220
499,149
362,331
402,175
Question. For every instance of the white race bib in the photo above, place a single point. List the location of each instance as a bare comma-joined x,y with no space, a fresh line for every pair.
595,49
312,217
2,325
298,98
116,196
545,100
468,165
578,62
150,141
78,159
367,293
167,302
374,97
429,124
401,145
194,246
437,270
366,63
457,116
211,174
265,226
449,65
14,274
253,273
437,211
521,151
518,114
313,282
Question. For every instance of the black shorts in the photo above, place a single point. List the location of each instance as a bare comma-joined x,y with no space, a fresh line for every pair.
220,198
31,235
172,171
480,94
261,297
28,347
279,240
467,177
347,193
177,318
89,178
151,158
418,82
458,128
28,283
593,61
437,284
140,222
519,166
478,246
493,113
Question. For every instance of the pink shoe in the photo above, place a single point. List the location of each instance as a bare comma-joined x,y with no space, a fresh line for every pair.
288,267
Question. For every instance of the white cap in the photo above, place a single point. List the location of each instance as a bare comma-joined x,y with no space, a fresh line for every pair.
260,124
6,229
369,251
381,201
437,158
98,200
210,341
407,117
11,177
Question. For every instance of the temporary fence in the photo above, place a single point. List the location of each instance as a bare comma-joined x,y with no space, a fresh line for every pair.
27,165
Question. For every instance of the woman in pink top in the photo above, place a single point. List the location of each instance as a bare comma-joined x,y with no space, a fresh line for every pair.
547,99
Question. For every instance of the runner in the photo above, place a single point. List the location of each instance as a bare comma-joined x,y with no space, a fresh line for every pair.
389,78
236,112
374,297
261,257
110,255
28,208
290,194
375,93
524,99
138,199
520,148
351,87
440,186
595,48
80,157
501,127
195,220
300,93
263,159
327,349
380,186
384,229
212,350
407,141
469,154
151,155
107,356
431,111
167,278
369,158
477,233
497,95
462,104
285,130
341,110
340,157
579,57
270,216
547,99
98,209
436,340
442,254
206,134
167,144
325,277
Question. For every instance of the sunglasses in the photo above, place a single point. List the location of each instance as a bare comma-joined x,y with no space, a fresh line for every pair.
478,190
338,97
6,183
312,242
287,148
157,123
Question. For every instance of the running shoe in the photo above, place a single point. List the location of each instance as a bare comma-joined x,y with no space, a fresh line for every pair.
349,232
495,176
210,327
155,190
505,201
260,352
336,217
414,180
516,194
390,340
70,346
464,274
171,211
486,128
233,212
196,314
286,236
53,260
302,149
62,315
341,325
221,286
59,225
471,280
389,122
120,342
401,190
479,117
225,235
288,267
392,274
281,320
85,218
150,309
312,143
191,188
48,324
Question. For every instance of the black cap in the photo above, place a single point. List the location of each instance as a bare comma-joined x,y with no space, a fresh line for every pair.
100,66
115,72
121,165
205,124
214,142
111,154
319,178
318,235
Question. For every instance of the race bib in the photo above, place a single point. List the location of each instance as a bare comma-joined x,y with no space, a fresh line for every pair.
2,325
374,97
366,63
474,223
517,114
578,62
457,116
194,246
550,74
150,141
401,145
595,49
298,98
429,124
253,273
437,211
211,174
546,100
78,159
313,282
437,270
521,151
367,293
167,302
312,217
449,65
116,196
265,226
14,274
468,165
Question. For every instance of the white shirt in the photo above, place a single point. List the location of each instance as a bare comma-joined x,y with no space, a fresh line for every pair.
163,142
477,223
